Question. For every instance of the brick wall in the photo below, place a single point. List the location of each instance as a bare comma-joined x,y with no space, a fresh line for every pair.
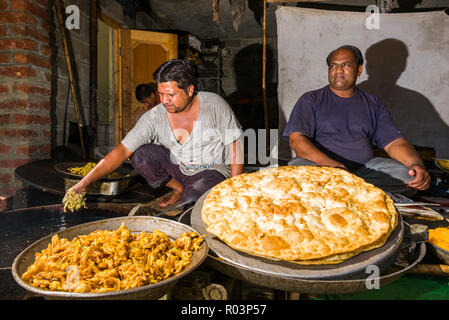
81,51
25,89
34,79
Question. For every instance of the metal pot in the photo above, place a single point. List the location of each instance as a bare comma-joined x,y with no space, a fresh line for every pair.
442,254
104,186
135,224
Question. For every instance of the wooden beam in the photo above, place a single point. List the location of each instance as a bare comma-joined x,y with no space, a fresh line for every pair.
281,1
93,44
118,85
71,76
264,67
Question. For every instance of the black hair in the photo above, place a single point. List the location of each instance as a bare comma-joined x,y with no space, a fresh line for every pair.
145,90
180,70
356,51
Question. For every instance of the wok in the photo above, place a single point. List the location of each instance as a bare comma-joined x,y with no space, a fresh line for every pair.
400,254
313,287
135,224
353,268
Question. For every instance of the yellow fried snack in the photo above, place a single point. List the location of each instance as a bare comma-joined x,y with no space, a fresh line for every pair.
104,261
84,170
440,237
74,201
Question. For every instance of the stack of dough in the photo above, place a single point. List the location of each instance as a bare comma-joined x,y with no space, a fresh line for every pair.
306,215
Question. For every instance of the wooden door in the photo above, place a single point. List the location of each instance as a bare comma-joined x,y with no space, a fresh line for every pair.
141,53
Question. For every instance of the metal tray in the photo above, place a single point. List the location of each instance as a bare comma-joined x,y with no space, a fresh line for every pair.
353,268
135,224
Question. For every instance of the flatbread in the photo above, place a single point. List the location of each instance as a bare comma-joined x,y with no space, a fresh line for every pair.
303,214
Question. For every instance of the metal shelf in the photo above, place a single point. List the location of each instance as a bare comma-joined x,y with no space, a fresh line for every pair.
215,57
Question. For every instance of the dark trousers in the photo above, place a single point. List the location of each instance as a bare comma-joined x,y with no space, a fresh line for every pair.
153,162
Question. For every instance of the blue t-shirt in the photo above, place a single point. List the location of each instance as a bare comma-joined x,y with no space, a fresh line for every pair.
343,128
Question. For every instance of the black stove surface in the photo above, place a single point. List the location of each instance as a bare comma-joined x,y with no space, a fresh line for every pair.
41,177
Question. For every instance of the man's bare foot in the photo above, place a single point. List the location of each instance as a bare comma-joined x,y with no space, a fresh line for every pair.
172,198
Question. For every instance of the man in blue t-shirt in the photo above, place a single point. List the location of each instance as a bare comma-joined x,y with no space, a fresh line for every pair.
336,126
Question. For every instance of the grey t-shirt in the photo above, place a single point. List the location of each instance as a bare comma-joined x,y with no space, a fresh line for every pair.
207,147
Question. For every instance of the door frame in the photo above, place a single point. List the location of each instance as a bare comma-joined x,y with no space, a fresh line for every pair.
129,39
117,72
120,35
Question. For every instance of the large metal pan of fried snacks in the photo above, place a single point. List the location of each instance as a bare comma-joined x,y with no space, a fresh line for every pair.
135,224
105,186
352,268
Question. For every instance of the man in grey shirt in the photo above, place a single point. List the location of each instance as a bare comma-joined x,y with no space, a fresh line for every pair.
189,142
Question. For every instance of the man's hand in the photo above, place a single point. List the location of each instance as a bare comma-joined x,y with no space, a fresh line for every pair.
334,164
79,188
404,152
422,177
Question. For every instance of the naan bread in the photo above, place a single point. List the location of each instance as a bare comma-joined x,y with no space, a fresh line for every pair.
306,214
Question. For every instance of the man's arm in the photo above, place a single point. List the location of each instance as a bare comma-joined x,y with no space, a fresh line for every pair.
236,157
403,151
108,164
304,148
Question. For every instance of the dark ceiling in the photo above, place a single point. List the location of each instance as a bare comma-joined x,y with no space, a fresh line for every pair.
196,16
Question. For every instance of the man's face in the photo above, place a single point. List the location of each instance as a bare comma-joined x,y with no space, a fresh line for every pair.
150,101
173,98
343,70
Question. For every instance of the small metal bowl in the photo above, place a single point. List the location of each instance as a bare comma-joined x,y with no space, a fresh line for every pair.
104,186
125,171
439,163
171,228
441,253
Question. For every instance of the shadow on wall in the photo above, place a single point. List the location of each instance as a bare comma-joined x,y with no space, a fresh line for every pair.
247,100
413,113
